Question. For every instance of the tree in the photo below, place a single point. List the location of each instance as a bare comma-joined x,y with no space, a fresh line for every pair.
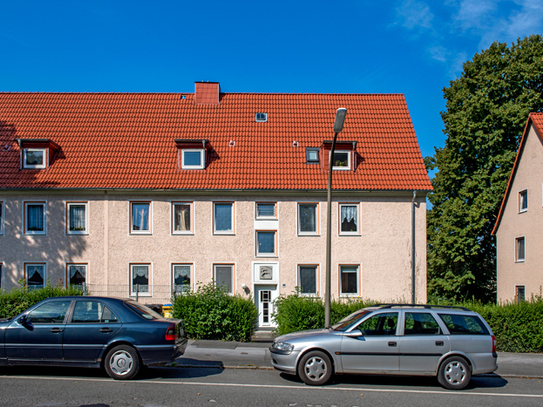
486,111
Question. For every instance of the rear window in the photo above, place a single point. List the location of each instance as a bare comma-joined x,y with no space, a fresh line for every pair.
464,324
142,310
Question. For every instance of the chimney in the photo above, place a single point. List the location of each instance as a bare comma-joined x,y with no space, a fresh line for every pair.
206,93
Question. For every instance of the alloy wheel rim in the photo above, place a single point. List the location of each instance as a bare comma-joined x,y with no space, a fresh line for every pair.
121,362
455,373
315,368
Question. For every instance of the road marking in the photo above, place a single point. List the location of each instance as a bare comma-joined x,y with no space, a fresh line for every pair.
279,386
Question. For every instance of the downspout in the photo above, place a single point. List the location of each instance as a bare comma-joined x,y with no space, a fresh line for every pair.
413,249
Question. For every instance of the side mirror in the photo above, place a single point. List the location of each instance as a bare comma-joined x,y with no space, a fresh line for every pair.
355,333
23,320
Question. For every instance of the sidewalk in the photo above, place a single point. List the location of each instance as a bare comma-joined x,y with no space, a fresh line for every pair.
255,355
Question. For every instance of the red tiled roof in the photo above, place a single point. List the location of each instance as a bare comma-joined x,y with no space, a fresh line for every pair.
537,120
127,140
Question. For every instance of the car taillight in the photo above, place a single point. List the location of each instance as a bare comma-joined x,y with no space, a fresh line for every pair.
171,333
493,344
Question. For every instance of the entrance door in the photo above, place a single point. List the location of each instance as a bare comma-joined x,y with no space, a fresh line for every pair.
264,296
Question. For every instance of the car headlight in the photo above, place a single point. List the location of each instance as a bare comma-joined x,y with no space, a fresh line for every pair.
283,347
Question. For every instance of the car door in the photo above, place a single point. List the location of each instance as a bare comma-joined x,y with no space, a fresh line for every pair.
375,349
90,328
422,344
39,338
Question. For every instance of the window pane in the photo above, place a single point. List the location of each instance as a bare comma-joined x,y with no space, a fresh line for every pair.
521,293
349,218
265,210
181,278
349,279
420,323
34,218
87,312
49,313
192,158
524,200
140,216
223,217
520,249
266,242
181,217
308,280
223,277
464,324
381,324
34,157
35,275
140,279
308,217
341,159
77,218
77,274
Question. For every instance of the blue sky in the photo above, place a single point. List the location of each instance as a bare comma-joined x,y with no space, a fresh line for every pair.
413,47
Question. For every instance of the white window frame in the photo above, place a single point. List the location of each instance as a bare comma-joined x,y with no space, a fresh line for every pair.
191,276
200,166
43,204
317,275
232,276
266,254
517,286
349,160
68,265
519,259
261,117
150,279
263,216
33,166
2,215
68,218
523,198
191,217
357,232
230,231
35,263
316,232
340,285
150,220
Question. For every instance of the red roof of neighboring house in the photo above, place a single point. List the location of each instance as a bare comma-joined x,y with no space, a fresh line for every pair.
127,140
537,120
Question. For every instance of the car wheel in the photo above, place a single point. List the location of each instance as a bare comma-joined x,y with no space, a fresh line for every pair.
315,368
122,362
454,373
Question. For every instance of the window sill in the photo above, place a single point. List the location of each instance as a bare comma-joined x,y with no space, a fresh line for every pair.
133,295
314,234
182,233
141,233
78,233
34,233
349,234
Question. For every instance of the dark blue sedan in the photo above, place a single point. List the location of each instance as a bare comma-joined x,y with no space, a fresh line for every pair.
119,335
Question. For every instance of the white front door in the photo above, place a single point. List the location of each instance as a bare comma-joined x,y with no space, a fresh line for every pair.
264,296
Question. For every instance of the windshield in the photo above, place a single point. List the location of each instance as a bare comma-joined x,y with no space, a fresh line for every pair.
346,322
142,310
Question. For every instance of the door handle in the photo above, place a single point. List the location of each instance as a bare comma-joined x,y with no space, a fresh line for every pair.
56,330
106,330
439,343
393,344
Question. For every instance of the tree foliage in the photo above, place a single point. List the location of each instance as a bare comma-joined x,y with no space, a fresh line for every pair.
486,111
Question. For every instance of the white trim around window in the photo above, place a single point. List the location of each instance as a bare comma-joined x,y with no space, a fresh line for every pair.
182,218
35,217
349,218
342,157
266,210
224,274
523,201
141,217
140,274
349,280
520,293
34,158
307,279
77,218
193,158
520,249
223,218
35,274
182,277
77,274
266,243
308,219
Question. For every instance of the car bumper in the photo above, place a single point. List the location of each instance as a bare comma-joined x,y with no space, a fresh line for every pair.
284,362
158,354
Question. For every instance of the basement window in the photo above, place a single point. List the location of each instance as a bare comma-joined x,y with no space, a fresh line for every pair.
261,117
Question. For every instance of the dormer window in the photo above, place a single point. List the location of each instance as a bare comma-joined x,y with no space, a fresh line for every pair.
261,117
342,160
34,157
192,154
344,155
37,153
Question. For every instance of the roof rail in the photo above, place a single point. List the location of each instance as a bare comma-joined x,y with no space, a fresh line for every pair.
426,306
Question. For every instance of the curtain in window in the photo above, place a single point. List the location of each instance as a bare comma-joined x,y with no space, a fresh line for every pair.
223,277
349,221
140,276
35,276
308,218
77,274
77,218
308,280
223,217
140,216
181,278
34,218
182,218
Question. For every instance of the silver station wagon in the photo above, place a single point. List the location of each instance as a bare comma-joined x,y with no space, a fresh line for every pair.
452,343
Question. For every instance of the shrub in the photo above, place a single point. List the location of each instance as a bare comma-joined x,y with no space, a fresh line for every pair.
19,299
211,313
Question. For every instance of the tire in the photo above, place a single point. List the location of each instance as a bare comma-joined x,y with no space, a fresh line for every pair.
454,373
315,368
122,362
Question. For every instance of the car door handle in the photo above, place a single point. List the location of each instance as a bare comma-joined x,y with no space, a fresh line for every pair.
393,344
439,343
106,330
56,330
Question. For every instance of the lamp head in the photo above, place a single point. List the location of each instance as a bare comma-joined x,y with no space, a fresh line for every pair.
340,119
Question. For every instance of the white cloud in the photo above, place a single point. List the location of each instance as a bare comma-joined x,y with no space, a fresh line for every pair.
415,14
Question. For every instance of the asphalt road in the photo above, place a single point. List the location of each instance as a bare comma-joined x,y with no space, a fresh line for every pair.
159,387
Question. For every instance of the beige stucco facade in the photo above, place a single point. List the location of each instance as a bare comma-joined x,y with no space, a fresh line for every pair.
381,251
515,274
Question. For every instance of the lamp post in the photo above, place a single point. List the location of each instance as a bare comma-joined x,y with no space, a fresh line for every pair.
338,127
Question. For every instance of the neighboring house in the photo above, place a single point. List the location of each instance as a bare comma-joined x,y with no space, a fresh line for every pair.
518,228
152,193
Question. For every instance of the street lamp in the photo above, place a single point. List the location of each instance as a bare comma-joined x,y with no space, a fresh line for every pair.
338,127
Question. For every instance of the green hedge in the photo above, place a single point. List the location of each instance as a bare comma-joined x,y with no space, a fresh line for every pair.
517,327
211,313
17,300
